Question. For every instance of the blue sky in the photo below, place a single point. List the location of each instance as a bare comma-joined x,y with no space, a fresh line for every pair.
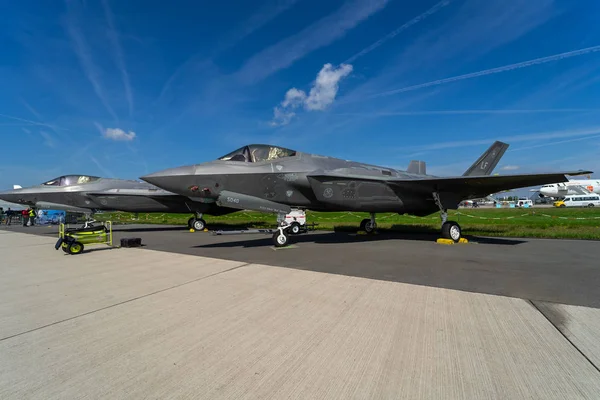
122,89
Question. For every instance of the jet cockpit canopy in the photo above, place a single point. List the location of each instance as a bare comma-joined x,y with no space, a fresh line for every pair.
69,180
258,153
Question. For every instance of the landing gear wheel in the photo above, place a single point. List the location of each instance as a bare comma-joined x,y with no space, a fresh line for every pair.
295,228
199,224
191,222
451,230
280,238
75,248
367,226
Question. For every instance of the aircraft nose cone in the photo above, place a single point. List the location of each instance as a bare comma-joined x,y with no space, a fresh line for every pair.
171,178
9,196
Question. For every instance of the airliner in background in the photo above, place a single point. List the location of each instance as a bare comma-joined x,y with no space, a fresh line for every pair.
573,187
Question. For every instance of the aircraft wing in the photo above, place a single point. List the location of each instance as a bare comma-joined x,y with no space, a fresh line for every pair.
454,188
469,186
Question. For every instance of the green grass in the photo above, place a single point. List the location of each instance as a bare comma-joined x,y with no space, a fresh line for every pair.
565,223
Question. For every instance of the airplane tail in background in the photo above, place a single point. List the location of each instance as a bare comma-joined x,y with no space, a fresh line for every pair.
17,187
416,167
488,160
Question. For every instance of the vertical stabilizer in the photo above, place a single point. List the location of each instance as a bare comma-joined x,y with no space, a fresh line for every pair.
416,167
488,160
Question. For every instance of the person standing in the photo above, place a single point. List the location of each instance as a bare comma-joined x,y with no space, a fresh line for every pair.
25,216
31,216
9,216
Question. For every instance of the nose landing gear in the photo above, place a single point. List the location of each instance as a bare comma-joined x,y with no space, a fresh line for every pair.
281,236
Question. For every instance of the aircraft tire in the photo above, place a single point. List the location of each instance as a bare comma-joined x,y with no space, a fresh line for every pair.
191,222
295,228
451,230
199,224
280,239
365,226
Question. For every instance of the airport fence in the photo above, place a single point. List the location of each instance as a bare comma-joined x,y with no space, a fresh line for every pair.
17,219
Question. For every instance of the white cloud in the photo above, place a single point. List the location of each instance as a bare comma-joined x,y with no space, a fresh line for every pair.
281,117
326,86
118,134
321,95
294,97
510,167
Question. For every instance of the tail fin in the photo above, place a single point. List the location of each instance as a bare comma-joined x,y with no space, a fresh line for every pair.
416,167
488,160
17,187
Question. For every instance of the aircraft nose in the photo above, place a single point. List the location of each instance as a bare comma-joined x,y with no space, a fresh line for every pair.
9,196
169,178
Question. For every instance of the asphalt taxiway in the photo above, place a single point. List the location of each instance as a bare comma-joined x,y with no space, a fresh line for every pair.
560,271
216,323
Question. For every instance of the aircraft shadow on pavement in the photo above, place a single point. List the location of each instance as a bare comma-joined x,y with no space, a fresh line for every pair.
345,236
171,228
153,228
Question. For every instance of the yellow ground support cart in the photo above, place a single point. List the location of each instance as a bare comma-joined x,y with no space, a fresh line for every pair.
72,240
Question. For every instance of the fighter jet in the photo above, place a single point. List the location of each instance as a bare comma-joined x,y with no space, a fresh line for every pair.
274,179
85,193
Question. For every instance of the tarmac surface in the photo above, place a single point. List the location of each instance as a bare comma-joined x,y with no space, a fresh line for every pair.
191,315
559,271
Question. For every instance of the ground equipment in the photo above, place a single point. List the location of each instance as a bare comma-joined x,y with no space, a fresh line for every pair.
72,240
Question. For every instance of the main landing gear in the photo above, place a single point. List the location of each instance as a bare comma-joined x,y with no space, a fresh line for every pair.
197,222
450,229
368,225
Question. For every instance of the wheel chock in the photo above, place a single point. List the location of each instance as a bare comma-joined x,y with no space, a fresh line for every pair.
192,230
450,241
366,233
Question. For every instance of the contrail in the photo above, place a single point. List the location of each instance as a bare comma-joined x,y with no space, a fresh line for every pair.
407,25
112,33
468,112
555,143
524,64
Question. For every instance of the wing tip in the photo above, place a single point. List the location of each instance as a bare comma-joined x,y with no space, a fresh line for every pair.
580,172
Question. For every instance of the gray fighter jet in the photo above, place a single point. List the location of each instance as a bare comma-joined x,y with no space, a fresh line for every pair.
273,179
91,193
